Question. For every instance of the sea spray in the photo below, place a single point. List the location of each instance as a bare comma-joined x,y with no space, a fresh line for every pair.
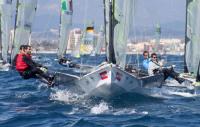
65,96
125,111
100,108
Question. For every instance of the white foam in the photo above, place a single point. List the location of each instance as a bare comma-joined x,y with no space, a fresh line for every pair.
145,113
74,110
65,96
23,95
41,84
100,108
183,94
125,112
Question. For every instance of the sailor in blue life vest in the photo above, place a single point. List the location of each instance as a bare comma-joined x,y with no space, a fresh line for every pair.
145,65
146,60
156,67
27,68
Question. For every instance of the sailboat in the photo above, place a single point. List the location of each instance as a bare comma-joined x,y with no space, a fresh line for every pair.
25,13
192,42
5,27
111,76
65,24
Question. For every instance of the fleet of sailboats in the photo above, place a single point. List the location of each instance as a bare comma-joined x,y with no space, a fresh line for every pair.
111,76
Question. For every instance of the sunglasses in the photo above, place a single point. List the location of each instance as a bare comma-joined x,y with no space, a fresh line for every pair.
154,57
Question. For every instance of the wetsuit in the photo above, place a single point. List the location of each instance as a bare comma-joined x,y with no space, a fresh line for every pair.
68,63
168,72
28,68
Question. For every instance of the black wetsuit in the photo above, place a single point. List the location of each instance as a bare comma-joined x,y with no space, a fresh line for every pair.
67,62
168,72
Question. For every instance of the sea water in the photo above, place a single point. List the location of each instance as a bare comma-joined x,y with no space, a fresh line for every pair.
30,103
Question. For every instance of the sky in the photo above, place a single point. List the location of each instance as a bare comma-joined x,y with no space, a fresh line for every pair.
169,13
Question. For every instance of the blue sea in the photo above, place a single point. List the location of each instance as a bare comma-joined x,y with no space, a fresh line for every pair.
30,103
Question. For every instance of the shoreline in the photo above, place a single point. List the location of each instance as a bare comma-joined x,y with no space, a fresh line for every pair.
128,53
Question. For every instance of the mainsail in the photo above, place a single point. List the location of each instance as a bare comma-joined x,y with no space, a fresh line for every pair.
6,24
100,41
66,21
26,10
192,54
121,16
124,15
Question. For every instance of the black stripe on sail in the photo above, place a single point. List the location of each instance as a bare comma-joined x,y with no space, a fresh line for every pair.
111,58
198,75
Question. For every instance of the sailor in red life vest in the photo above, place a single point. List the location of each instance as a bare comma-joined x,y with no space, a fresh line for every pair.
27,68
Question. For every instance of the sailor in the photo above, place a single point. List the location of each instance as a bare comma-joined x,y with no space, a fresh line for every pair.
21,51
146,60
29,51
68,62
156,67
27,68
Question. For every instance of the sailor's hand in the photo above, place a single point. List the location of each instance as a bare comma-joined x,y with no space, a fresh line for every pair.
173,66
162,62
43,69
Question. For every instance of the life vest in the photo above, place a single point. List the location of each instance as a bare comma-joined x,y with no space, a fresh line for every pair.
20,64
29,56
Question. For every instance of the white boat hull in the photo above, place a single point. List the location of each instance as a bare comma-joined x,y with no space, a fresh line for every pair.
110,80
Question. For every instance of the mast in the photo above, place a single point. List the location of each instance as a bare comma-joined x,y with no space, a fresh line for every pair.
105,31
198,75
15,27
111,52
186,38
0,39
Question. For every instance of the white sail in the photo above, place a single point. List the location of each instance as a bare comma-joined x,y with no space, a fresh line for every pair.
26,10
77,37
66,22
192,53
124,15
6,24
88,43
100,41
